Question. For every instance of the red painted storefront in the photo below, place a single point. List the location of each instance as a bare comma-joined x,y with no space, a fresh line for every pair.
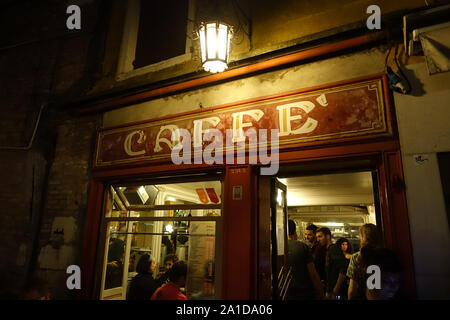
246,268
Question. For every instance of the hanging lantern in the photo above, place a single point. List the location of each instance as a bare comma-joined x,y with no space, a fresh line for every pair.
215,45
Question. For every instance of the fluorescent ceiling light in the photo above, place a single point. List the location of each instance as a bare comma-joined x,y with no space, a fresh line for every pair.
333,224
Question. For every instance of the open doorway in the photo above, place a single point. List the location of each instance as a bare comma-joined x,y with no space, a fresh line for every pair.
339,200
342,202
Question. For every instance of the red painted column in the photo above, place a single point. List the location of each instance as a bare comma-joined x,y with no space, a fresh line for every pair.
401,239
238,257
91,233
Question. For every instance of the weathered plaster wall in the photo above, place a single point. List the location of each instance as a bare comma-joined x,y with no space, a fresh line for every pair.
368,62
423,123
275,25
65,204
277,22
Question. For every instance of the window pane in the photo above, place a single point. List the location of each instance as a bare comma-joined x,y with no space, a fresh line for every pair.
222,41
211,36
139,200
203,42
162,31
190,241
201,261
115,254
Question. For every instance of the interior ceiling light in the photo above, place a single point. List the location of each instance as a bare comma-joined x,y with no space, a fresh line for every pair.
169,228
215,45
143,194
333,224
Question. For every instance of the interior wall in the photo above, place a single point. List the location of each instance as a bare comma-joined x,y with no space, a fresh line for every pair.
424,130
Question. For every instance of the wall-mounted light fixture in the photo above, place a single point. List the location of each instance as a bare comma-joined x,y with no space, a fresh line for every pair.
217,33
215,45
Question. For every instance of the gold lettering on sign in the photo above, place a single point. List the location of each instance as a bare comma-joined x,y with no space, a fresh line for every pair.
239,124
128,139
198,129
322,100
174,132
285,118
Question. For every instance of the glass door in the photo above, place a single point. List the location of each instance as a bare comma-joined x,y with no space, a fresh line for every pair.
279,248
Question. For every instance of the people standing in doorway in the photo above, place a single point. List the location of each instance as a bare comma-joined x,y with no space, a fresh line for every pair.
356,269
346,248
177,280
310,236
305,283
323,236
390,276
337,262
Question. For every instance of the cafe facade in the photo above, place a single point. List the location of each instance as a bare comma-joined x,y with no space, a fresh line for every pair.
338,126
210,166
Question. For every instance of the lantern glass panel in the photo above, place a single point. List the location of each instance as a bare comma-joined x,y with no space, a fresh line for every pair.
222,42
228,44
202,35
215,46
211,35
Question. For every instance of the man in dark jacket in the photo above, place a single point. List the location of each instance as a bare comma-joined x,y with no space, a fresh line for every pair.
336,266
305,283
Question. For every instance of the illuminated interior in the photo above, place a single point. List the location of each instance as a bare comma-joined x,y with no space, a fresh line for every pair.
159,220
343,202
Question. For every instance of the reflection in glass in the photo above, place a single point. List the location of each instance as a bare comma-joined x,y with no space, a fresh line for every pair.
200,279
193,242
115,255
190,241
146,230
141,199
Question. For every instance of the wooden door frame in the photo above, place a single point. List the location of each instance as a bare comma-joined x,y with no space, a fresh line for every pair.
385,157
275,185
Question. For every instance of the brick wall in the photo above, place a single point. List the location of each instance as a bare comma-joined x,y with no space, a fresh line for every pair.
45,185
66,202
33,202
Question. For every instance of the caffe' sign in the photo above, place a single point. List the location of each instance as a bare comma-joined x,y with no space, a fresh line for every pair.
335,113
